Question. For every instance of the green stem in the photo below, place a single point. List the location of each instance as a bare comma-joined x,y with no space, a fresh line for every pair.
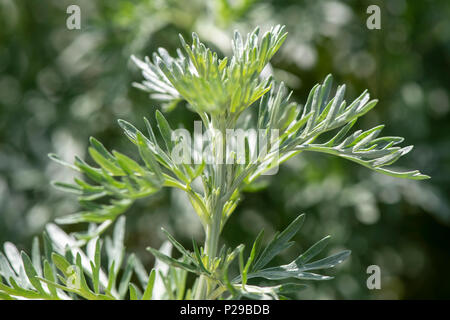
213,229
211,244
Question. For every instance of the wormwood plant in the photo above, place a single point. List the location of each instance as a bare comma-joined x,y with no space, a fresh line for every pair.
228,93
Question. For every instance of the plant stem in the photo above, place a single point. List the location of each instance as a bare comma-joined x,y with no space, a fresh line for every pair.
211,245
213,229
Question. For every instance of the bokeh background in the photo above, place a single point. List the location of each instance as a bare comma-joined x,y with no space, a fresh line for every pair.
60,86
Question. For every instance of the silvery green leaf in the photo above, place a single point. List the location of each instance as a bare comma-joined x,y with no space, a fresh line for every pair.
178,246
126,277
5,269
149,289
279,243
173,262
298,270
166,131
32,274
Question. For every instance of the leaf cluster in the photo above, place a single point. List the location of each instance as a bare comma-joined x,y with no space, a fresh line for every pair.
255,266
65,272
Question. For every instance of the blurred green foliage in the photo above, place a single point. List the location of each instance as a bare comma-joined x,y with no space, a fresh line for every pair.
60,86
